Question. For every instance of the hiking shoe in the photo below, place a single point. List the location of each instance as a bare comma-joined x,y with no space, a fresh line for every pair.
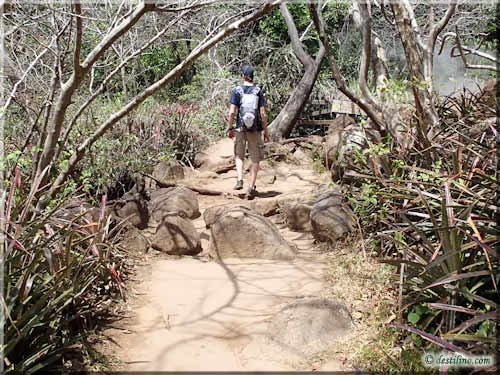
239,185
251,193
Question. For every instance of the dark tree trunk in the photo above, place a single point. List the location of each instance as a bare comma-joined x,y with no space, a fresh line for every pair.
283,124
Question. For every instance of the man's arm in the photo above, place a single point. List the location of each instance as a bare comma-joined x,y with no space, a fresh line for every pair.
232,115
263,117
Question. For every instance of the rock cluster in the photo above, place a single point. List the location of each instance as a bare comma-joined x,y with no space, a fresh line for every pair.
324,214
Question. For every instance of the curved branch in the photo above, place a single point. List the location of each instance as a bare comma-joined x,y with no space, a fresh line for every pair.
337,76
115,34
102,86
78,39
438,27
464,59
297,46
365,24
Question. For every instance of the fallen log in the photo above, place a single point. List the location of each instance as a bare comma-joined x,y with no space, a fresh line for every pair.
302,140
199,190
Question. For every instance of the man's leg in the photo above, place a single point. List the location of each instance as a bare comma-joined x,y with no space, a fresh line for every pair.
239,157
239,167
254,169
256,155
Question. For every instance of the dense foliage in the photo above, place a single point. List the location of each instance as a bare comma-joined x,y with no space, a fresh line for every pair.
62,276
432,213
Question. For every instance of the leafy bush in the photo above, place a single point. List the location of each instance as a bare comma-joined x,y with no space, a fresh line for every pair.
155,133
61,274
178,134
433,216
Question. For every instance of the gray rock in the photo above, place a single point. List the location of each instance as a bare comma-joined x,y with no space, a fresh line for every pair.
174,200
176,235
265,207
310,325
133,208
211,213
333,141
330,218
301,157
240,232
168,172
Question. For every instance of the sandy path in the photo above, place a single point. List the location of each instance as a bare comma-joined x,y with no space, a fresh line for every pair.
192,314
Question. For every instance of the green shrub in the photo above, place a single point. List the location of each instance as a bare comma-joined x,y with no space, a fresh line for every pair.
433,217
60,273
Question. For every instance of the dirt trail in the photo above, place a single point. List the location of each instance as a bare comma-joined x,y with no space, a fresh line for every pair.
193,313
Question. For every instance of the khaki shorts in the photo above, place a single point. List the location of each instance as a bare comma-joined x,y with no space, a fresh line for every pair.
255,145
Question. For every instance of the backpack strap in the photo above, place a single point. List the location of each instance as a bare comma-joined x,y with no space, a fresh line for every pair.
240,92
256,91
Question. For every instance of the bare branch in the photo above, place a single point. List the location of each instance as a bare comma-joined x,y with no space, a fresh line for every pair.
297,45
366,32
30,67
191,6
461,50
337,76
382,9
116,33
74,81
438,27
413,22
311,24
78,37
112,74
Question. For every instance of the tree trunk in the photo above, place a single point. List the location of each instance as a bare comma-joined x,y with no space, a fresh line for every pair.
379,61
415,56
362,103
284,123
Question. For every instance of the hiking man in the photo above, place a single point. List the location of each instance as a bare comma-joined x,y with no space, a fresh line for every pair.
248,108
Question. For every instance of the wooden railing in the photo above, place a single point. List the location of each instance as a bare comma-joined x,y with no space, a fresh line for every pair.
317,109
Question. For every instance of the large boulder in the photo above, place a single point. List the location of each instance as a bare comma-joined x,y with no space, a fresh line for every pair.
297,208
218,157
333,141
174,200
240,232
133,208
330,219
344,138
168,172
176,235
265,207
211,213
301,157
